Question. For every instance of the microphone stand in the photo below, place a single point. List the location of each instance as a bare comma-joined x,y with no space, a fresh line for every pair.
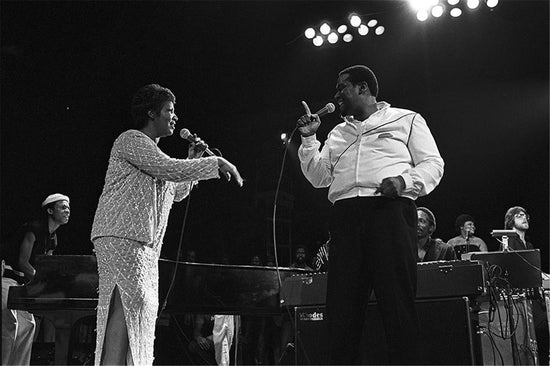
505,243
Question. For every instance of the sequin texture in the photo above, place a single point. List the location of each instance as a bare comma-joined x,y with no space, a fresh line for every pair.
129,225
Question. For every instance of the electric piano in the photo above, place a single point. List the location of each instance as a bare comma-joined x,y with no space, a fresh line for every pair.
65,289
436,279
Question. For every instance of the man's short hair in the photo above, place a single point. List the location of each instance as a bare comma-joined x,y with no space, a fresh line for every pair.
431,216
149,98
509,217
461,220
359,73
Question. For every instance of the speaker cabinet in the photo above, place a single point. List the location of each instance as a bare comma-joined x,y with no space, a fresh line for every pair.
448,334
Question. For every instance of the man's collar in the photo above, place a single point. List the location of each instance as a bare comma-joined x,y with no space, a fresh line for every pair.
428,243
379,106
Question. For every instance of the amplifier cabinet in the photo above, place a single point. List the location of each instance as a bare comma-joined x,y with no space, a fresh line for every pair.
448,334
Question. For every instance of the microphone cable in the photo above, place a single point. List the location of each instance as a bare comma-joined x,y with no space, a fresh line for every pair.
180,242
178,253
274,215
277,189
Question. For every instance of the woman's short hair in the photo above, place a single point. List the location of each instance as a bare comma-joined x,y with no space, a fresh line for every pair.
149,98
461,220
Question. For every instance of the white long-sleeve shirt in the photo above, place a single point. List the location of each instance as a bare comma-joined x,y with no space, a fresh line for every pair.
358,155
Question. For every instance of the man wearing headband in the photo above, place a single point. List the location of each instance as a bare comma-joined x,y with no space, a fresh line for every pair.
376,163
430,249
34,238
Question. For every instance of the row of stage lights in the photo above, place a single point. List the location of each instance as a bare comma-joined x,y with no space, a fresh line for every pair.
436,8
423,8
326,33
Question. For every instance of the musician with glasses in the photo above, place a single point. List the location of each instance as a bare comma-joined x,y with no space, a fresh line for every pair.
517,219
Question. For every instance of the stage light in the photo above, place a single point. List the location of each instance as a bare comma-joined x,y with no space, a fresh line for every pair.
310,33
456,12
283,137
342,29
472,4
332,38
363,30
318,41
355,21
492,3
325,29
437,11
379,30
422,15
453,2
372,23
347,37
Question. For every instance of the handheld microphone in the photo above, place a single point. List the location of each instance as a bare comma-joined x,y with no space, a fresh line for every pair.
186,135
329,108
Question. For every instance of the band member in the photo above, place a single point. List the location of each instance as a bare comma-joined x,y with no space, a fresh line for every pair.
129,225
300,258
466,241
517,219
430,249
34,238
375,163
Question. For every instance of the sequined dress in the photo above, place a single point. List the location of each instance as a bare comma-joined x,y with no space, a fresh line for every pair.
129,225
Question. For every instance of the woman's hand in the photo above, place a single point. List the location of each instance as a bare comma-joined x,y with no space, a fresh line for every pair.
229,170
197,148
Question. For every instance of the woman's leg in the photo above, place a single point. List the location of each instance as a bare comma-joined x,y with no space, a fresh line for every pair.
115,345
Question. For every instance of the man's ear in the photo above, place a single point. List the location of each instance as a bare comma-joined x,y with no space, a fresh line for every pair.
49,211
364,88
151,114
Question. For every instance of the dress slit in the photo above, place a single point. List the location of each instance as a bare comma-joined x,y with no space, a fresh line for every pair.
106,322
137,287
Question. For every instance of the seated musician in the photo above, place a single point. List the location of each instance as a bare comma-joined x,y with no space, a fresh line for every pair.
300,258
430,249
466,241
34,238
517,219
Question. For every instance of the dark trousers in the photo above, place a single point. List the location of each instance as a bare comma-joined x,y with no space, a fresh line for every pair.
373,246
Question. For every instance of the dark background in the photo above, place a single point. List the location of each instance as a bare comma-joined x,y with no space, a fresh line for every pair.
239,71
